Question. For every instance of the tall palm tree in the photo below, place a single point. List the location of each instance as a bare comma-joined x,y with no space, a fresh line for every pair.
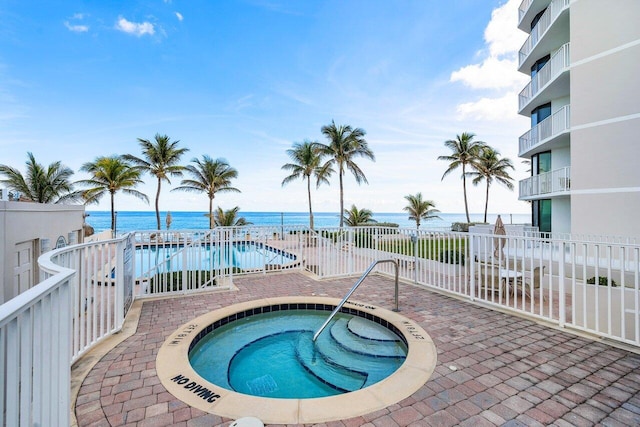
229,218
210,177
40,184
419,209
160,158
355,217
110,175
306,158
465,151
345,144
491,167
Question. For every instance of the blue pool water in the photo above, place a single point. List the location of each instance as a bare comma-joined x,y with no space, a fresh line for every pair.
242,255
273,355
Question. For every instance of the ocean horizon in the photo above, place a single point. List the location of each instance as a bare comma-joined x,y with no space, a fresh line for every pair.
197,220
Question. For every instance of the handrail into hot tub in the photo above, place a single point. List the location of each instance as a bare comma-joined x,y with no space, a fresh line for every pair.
346,297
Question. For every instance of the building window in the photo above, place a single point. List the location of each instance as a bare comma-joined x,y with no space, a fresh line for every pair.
541,163
541,215
536,18
540,113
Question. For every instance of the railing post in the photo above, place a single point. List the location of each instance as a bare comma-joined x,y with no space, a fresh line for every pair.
562,300
472,269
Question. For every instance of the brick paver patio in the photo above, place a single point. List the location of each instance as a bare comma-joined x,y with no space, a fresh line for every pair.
493,368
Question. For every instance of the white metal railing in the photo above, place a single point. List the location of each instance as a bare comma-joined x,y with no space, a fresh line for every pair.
87,289
552,126
554,182
559,63
546,20
523,8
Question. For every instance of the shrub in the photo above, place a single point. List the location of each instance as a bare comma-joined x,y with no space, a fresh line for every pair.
172,281
463,227
452,257
602,281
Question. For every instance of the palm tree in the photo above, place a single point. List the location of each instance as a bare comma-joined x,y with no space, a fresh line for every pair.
355,217
229,218
210,177
420,209
40,184
306,160
465,151
490,167
345,144
160,159
110,175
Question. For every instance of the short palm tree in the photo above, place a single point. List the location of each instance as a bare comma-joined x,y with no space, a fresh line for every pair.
40,184
229,218
306,161
464,152
160,158
110,175
491,167
355,217
210,177
419,209
345,145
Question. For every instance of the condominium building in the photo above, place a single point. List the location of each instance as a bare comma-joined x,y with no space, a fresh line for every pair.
583,57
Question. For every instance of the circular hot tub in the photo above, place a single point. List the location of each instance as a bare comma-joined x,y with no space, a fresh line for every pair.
258,359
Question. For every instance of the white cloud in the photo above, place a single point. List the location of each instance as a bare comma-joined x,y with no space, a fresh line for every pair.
179,16
490,108
498,69
76,28
492,73
135,28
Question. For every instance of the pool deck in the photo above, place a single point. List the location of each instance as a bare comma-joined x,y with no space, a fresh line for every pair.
492,368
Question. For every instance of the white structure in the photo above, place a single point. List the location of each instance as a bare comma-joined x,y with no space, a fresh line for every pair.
26,231
583,57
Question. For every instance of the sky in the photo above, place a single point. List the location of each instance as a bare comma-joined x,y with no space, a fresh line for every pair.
245,79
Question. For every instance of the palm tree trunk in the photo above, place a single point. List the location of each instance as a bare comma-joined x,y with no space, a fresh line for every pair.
158,203
464,190
210,212
486,203
113,213
309,194
341,200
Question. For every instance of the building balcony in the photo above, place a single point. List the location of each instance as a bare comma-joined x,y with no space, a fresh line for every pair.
550,133
552,81
527,10
548,184
551,31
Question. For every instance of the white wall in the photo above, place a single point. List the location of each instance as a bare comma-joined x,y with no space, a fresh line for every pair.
24,225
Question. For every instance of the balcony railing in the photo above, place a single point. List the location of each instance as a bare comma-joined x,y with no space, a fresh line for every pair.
548,183
559,62
523,8
547,18
554,125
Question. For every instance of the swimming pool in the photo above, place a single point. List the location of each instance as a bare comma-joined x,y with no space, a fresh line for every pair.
272,354
249,392
245,255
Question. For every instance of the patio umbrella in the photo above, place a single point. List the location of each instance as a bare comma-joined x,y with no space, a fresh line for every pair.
498,242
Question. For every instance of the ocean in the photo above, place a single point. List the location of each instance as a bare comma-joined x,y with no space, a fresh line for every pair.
146,220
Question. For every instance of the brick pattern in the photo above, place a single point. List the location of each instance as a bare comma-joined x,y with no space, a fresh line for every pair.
493,368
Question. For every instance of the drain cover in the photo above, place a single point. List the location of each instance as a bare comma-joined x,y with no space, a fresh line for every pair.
263,385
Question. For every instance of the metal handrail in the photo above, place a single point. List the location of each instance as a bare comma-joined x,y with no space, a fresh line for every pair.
346,297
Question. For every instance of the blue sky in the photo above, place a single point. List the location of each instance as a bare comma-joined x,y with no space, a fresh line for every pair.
244,80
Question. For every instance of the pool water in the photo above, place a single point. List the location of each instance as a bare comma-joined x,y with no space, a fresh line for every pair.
243,255
273,355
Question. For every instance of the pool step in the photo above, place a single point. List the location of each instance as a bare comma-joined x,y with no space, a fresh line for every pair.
376,366
335,375
342,334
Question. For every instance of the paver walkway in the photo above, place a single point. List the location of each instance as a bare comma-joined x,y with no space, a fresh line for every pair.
493,368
